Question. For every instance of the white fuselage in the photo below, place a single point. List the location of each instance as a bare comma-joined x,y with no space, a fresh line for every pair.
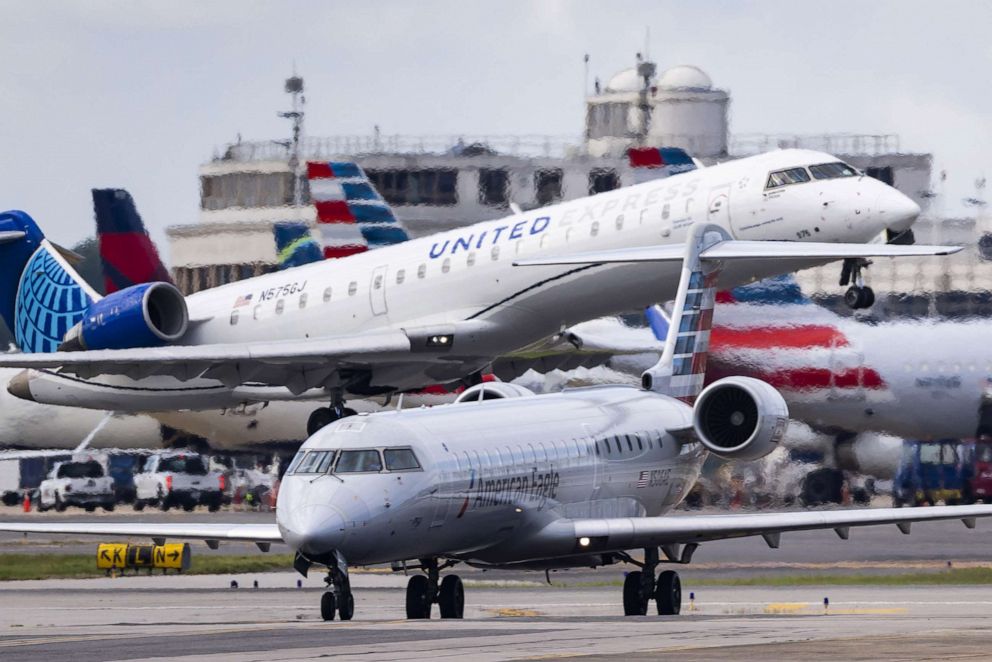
493,475
465,279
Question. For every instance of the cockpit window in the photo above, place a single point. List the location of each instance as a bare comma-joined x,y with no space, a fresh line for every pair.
358,461
785,177
400,459
832,170
313,462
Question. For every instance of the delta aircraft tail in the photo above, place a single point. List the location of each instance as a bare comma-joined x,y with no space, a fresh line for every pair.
127,254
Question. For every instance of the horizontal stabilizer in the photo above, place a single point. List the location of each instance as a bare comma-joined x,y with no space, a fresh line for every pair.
733,249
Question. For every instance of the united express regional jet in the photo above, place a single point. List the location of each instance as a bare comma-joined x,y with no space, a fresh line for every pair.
436,309
573,479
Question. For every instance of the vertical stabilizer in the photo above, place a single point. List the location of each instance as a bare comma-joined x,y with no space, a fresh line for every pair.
127,254
351,215
295,245
41,296
682,368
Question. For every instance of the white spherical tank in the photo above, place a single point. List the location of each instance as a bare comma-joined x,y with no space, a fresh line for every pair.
688,112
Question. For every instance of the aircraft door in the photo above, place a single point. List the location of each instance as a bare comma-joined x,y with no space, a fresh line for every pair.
718,206
377,290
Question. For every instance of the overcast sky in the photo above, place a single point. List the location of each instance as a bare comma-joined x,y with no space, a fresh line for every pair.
138,94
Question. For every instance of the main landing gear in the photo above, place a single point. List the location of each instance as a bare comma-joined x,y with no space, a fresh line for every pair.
338,598
324,416
641,586
858,295
422,591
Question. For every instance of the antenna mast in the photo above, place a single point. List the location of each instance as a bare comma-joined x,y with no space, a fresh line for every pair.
294,86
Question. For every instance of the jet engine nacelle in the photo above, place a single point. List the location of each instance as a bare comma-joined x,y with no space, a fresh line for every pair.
740,418
493,391
145,315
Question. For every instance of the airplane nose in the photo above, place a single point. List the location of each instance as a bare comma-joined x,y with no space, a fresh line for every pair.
312,529
20,386
896,210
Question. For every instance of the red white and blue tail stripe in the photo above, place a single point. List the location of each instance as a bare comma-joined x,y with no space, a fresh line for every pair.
351,215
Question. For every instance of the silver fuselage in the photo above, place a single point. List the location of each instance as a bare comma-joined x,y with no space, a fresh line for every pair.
500,480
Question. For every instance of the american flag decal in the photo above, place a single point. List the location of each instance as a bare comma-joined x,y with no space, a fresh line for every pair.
642,480
242,300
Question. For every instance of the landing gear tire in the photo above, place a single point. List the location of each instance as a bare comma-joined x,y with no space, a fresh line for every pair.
109,507
634,602
347,607
328,606
189,506
822,486
324,416
320,418
859,297
668,593
418,599
139,505
59,504
451,598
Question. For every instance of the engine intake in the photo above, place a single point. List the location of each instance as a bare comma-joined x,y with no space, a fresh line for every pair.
740,418
493,391
146,315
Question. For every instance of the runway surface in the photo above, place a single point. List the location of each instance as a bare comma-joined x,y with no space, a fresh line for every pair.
876,549
200,618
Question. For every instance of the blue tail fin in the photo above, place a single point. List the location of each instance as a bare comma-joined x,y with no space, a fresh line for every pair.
41,296
777,290
658,322
295,245
127,254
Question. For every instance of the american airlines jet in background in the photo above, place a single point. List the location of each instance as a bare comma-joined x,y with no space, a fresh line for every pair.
437,309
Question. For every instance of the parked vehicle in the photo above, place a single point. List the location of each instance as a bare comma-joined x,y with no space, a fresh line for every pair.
84,484
177,479
932,471
23,475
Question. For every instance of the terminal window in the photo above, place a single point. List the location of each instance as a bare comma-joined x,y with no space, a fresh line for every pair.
246,189
432,186
602,180
494,187
547,186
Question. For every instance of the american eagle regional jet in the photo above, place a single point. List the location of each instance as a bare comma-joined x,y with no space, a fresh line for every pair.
572,479
437,309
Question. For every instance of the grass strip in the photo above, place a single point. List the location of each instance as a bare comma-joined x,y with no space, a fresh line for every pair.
63,566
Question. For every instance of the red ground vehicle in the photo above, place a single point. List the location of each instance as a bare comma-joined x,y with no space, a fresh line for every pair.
980,483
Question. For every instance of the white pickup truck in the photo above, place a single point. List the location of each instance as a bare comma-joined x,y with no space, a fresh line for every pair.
83,484
178,479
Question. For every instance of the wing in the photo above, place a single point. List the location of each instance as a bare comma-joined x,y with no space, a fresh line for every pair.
744,250
300,364
261,534
630,533
586,345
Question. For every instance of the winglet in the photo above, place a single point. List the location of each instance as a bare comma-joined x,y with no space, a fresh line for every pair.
682,367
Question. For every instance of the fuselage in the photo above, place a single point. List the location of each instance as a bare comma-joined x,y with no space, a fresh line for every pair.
465,279
491,477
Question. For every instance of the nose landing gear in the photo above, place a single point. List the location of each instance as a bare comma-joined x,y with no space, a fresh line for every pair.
858,295
338,598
